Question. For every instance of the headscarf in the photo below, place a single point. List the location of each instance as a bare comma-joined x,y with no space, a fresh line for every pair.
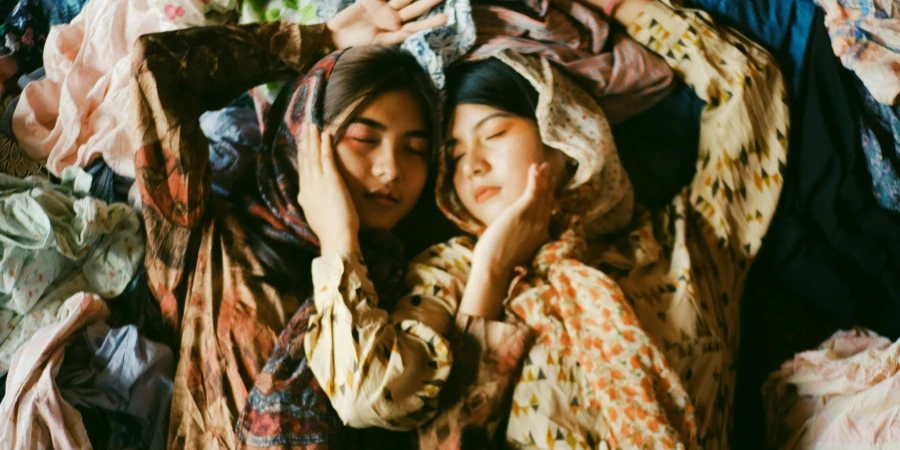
274,201
570,121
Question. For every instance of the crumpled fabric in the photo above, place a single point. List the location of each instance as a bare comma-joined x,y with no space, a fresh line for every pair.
880,128
865,34
843,394
35,415
56,240
198,13
117,371
23,31
78,112
234,135
624,77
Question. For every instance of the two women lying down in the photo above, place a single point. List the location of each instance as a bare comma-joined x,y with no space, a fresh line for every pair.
527,169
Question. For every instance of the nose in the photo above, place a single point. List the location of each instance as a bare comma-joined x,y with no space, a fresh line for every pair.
385,166
474,162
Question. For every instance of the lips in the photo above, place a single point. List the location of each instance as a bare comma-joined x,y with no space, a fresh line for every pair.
485,193
384,197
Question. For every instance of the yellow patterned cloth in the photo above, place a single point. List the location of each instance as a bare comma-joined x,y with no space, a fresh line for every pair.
379,368
683,268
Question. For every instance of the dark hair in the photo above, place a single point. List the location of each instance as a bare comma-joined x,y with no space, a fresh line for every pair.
360,73
492,83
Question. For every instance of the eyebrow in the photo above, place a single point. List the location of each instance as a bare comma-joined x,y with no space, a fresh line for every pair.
423,134
492,116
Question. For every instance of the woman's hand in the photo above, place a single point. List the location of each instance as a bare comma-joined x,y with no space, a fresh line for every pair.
509,241
326,203
522,227
381,22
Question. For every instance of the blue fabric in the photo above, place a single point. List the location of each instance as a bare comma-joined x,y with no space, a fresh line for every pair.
782,26
233,134
62,11
661,163
880,125
126,377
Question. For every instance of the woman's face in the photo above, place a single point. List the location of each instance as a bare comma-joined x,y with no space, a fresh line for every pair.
383,158
491,152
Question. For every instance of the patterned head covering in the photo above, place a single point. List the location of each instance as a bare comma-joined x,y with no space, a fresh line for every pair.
277,179
570,121
274,203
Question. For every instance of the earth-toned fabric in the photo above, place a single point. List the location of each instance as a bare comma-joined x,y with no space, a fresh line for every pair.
225,317
683,267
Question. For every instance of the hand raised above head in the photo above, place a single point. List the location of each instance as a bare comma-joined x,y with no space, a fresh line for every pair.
379,22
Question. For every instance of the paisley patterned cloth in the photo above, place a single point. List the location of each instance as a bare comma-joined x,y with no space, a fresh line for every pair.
224,315
880,127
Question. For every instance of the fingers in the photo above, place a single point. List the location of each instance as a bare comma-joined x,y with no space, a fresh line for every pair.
327,154
434,21
308,157
415,9
382,14
399,4
397,37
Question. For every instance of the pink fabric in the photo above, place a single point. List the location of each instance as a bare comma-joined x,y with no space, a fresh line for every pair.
79,112
843,395
35,415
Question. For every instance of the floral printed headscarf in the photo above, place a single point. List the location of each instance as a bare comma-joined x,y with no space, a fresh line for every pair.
570,121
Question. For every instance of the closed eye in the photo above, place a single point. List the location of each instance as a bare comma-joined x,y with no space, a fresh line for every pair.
495,135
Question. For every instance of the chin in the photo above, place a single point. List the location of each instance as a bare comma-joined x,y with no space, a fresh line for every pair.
380,224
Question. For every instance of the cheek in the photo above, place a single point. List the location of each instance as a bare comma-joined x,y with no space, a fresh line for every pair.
415,173
353,167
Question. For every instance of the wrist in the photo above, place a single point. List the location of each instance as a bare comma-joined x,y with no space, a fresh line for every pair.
492,265
484,294
343,245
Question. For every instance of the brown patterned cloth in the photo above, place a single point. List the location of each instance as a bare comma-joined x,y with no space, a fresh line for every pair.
199,264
